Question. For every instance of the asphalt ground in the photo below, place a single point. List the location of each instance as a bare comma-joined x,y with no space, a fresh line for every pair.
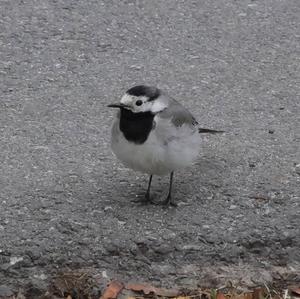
66,200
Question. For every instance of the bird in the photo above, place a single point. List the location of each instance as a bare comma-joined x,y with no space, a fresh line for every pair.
154,134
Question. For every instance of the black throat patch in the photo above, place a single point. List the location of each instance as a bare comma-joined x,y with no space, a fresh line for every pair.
136,127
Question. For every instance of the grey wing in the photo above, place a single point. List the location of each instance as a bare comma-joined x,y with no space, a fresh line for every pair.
178,114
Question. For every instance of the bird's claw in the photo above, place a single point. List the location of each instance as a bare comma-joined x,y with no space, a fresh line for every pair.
168,202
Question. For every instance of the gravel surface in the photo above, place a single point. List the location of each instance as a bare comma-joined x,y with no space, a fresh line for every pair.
65,200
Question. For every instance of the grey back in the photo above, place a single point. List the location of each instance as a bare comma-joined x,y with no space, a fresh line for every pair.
178,114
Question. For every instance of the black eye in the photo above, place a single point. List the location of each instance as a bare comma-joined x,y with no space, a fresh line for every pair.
139,102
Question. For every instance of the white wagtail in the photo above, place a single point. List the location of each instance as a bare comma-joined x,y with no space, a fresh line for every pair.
155,134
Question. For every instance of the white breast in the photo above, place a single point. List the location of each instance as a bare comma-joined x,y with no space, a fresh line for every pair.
167,148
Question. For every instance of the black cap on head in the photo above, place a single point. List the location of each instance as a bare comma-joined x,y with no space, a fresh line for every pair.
150,92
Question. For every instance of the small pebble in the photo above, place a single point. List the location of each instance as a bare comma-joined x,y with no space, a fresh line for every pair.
297,169
108,208
232,207
14,260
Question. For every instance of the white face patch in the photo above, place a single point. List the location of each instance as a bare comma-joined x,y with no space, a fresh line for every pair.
154,106
158,106
130,100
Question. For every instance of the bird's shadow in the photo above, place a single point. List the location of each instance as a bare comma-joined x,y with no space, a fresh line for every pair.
195,183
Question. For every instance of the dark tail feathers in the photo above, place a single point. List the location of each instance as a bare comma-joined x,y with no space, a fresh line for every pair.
208,131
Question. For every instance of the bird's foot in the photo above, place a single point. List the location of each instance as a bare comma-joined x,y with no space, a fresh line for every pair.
168,202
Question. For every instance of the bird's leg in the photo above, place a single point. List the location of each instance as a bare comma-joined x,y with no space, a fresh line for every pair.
147,198
147,195
168,200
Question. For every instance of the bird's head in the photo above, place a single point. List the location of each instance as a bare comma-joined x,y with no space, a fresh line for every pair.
142,98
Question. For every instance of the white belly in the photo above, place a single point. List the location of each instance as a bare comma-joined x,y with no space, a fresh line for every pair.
165,150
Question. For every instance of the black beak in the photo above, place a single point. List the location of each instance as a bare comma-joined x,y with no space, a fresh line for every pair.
119,105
